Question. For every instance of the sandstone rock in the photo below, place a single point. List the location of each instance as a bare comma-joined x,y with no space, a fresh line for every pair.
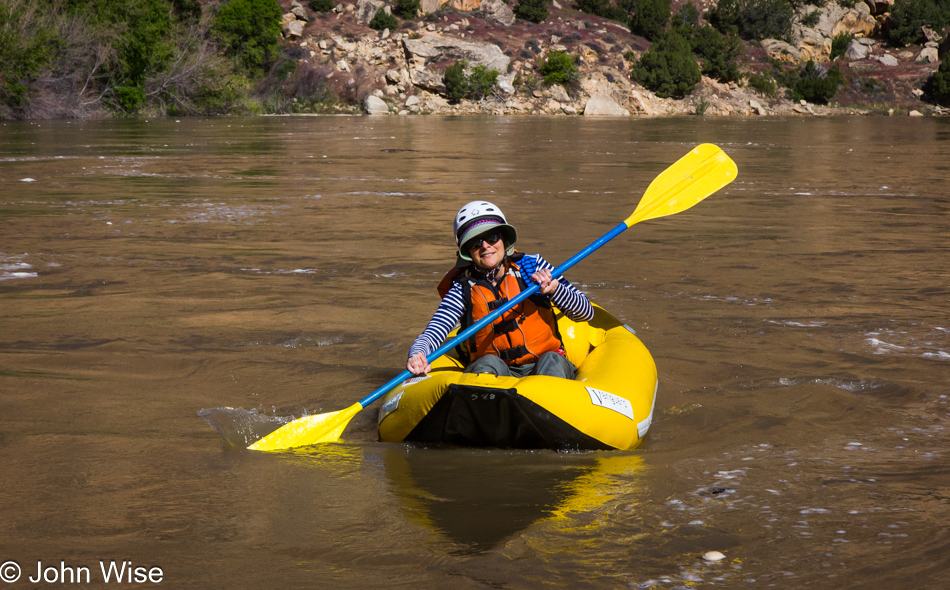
431,81
366,10
294,29
887,60
856,51
429,6
757,108
287,17
604,105
641,103
927,55
559,94
375,105
569,109
781,51
498,11
813,45
412,101
300,12
506,83
877,7
915,114
393,76
465,5
858,22
930,34
436,48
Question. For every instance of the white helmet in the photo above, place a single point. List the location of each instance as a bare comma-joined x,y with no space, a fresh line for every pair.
477,218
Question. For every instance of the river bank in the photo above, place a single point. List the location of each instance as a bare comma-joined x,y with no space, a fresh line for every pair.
400,72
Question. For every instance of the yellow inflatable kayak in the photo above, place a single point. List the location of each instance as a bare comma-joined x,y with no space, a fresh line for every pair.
609,405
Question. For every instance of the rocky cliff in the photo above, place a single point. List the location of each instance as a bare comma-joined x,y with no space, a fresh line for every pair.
401,71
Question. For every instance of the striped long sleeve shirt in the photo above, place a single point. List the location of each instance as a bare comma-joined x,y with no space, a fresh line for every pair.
567,299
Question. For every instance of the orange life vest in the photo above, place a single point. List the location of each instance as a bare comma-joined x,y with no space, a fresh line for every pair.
518,336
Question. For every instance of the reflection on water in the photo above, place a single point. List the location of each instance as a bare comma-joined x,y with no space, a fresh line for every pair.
481,498
283,265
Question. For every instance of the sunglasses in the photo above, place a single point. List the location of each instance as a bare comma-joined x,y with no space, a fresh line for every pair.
489,238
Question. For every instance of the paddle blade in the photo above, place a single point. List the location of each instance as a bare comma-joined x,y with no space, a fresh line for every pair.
695,176
309,430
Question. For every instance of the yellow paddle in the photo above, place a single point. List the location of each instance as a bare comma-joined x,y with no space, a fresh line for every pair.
695,176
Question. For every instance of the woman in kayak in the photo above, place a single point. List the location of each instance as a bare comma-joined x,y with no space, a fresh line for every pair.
489,272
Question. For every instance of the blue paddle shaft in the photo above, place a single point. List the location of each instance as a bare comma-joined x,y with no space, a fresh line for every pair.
557,272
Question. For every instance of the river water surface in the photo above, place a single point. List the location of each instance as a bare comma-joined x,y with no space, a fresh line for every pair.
800,321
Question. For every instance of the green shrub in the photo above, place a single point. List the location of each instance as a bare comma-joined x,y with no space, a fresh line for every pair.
763,84
908,16
811,19
456,84
668,68
382,20
407,9
719,53
937,87
475,86
321,5
604,9
535,11
754,19
558,68
648,17
840,44
27,48
249,31
701,107
481,82
686,21
814,83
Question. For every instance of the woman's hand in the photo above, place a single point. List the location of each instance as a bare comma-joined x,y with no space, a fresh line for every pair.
542,276
418,365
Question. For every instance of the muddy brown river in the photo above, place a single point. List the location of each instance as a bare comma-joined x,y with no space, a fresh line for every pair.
149,270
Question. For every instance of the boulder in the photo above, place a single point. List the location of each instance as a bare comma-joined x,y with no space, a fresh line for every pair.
877,7
366,10
436,48
927,55
858,22
294,29
506,83
465,5
813,45
887,60
428,80
300,12
931,35
856,50
640,103
559,94
393,76
604,105
375,106
429,6
757,108
497,11
781,50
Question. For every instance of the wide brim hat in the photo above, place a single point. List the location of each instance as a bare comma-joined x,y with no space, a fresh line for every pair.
484,225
